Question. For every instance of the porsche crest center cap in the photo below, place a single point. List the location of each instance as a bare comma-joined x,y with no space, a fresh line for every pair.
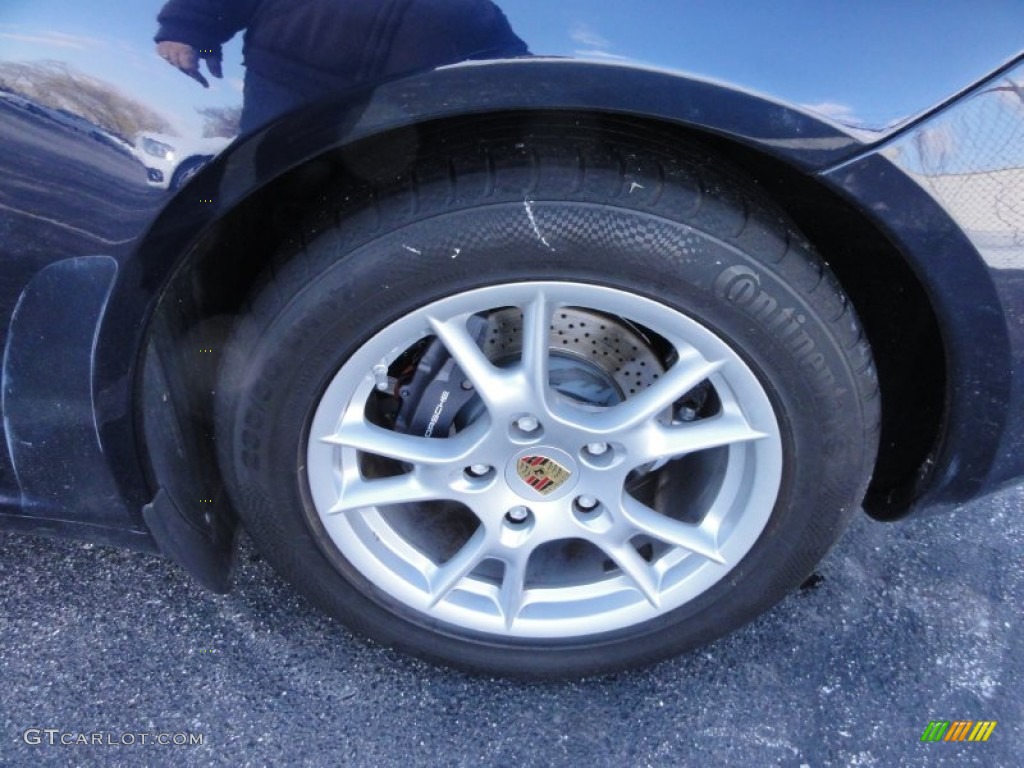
543,473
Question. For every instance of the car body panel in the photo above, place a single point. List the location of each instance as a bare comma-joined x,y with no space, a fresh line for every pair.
970,159
812,86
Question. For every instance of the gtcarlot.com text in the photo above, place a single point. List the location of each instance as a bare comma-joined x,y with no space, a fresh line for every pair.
57,737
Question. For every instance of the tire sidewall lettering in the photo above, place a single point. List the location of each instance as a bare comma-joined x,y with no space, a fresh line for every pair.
743,288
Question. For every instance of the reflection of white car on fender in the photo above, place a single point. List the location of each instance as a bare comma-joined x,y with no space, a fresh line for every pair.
171,160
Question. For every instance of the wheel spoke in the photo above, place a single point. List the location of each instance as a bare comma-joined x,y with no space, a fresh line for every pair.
537,342
493,385
689,371
662,442
356,433
510,597
447,576
695,538
562,403
637,570
404,489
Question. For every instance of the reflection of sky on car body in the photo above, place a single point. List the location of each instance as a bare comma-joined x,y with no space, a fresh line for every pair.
808,53
981,134
79,33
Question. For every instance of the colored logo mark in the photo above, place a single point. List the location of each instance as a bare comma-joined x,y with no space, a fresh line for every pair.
958,730
542,474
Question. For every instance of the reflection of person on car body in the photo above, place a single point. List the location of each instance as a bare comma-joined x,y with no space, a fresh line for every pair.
300,51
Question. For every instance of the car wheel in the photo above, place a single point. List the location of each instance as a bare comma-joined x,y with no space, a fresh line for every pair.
549,407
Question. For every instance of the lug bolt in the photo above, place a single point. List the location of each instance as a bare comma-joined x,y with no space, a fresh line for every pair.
517,515
586,503
597,449
479,470
528,424
686,414
380,377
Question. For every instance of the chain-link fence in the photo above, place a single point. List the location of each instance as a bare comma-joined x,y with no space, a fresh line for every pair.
972,160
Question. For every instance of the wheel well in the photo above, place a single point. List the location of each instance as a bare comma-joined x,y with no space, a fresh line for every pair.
213,283
894,310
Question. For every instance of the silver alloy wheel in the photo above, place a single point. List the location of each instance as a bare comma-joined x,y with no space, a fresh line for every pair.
511,563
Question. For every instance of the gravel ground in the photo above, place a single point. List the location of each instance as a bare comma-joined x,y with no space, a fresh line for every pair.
908,623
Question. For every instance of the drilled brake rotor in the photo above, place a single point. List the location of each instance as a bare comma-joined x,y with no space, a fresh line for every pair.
620,361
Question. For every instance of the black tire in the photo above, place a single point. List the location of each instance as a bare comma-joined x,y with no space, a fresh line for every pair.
563,204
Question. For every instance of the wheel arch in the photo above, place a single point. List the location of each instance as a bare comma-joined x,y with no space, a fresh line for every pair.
211,242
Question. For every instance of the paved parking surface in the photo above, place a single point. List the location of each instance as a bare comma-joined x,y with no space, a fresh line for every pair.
910,623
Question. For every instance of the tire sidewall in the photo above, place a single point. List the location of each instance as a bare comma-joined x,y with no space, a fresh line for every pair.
778,330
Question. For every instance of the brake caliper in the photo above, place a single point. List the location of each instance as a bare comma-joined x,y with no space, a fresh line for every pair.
437,391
